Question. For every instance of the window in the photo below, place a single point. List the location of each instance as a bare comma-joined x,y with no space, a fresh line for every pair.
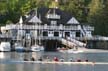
53,22
67,34
45,33
27,31
56,33
78,34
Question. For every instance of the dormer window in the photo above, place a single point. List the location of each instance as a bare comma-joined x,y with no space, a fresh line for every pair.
53,22
53,16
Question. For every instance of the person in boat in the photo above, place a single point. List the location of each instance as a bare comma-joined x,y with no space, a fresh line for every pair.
40,59
33,59
71,59
47,58
79,60
25,59
56,59
86,60
62,59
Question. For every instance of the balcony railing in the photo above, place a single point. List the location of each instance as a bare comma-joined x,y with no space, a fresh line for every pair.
43,27
88,28
53,16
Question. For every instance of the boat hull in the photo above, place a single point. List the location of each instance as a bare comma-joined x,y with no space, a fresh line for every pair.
5,46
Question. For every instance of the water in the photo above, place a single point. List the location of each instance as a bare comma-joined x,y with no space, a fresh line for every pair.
7,65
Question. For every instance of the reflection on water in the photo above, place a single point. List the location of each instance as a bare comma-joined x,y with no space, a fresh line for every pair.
94,57
51,67
6,57
44,67
1,55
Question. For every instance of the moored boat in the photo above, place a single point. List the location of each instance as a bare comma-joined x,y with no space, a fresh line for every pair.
19,47
37,48
5,46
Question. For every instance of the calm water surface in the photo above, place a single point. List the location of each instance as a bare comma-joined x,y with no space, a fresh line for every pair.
7,65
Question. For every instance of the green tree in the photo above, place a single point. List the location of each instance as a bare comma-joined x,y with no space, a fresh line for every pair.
73,7
3,8
96,7
94,12
95,15
105,19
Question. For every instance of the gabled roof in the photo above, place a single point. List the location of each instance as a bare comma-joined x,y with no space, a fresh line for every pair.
43,12
35,19
73,21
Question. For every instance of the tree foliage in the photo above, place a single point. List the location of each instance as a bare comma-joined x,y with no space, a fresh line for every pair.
95,15
94,12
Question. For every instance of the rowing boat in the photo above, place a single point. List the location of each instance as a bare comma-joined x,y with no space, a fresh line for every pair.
52,62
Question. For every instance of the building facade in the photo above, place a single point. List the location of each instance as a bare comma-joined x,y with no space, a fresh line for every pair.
48,22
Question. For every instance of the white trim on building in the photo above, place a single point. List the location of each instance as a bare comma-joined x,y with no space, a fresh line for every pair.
35,19
73,21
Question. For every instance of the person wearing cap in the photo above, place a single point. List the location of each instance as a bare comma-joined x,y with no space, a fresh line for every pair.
62,59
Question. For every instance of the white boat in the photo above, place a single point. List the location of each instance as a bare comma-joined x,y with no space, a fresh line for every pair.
2,56
5,46
74,51
19,47
37,48
54,62
41,48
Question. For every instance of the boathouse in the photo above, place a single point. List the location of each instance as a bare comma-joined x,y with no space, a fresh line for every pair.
48,26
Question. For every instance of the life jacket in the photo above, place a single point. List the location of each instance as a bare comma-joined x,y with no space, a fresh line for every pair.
56,59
